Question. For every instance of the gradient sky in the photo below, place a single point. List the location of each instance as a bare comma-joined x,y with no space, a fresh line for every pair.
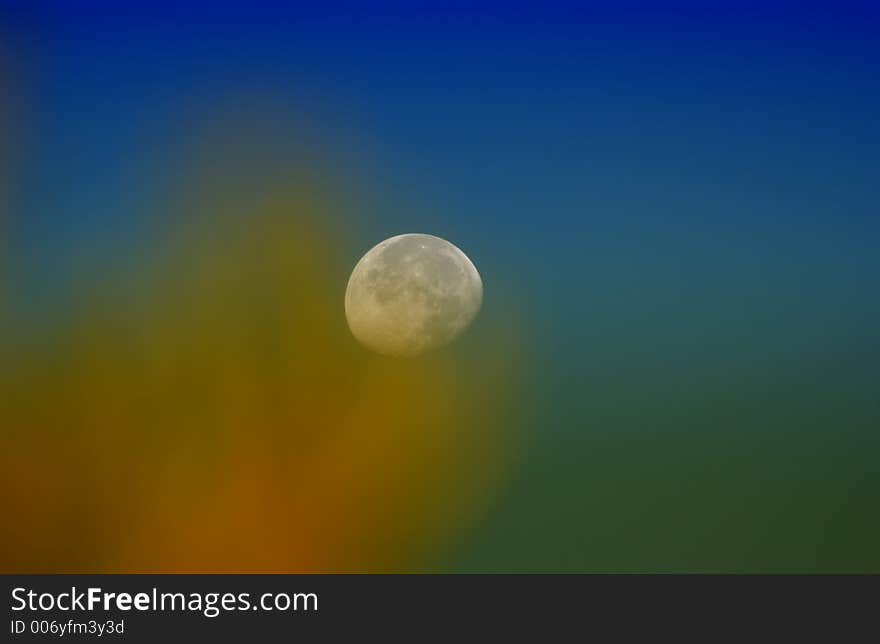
683,198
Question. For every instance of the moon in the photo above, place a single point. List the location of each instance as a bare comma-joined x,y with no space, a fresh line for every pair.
410,294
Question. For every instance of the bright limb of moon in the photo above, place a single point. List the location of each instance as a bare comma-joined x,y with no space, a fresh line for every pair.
412,293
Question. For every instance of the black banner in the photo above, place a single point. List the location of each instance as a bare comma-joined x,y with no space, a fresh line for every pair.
322,607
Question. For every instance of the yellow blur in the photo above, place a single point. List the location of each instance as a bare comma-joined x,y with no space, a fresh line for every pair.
210,412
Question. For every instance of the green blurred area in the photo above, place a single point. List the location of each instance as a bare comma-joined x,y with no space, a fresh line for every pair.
757,459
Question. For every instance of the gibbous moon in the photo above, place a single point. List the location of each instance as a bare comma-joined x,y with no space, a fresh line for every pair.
410,294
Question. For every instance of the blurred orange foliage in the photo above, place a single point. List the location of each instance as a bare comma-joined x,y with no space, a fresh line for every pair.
211,413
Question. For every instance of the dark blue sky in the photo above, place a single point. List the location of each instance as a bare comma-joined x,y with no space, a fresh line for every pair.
723,155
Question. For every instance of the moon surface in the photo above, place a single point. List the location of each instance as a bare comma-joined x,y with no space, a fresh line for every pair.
412,293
